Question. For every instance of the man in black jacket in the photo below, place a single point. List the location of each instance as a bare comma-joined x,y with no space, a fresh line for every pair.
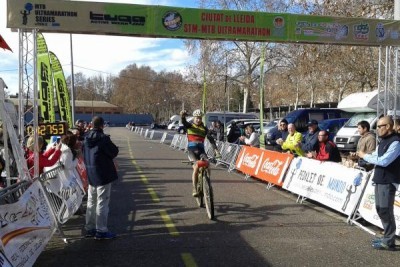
386,179
99,153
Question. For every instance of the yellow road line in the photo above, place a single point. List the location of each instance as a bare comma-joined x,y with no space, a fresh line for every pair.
134,162
144,179
153,194
188,260
168,223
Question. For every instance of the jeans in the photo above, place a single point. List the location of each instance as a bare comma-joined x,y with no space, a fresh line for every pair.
384,202
97,207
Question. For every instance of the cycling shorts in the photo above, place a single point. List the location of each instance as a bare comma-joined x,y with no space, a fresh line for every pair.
195,150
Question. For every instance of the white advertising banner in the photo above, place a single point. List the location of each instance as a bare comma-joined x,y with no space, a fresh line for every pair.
368,211
26,226
329,183
69,194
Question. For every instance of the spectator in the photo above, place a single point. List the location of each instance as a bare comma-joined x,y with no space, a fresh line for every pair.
366,144
311,137
80,125
293,141
46,159
396,127
12,163
234,133
212,130
279,136
98,153
325,150
386,179
68,156
219,128
252,138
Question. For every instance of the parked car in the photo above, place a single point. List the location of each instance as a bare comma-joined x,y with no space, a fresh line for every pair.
300,117
242,123
268,126
332,126
227,116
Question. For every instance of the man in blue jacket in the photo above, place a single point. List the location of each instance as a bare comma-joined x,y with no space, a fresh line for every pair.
386,159
99,153
310,139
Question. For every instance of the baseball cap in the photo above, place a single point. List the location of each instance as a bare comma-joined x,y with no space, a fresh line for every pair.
312,122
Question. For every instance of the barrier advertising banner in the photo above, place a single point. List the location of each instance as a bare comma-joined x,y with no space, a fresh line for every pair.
26,226
177,22
68,187
329,183
368,211
45,81
266,165
63,99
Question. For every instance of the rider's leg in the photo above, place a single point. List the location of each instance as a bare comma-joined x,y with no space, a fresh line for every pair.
195,175
192,157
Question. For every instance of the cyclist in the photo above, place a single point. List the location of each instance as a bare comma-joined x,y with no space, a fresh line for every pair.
196,134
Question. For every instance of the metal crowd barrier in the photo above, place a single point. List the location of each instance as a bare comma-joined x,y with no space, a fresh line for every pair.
58,201
164,137
229,152
174,141
12,193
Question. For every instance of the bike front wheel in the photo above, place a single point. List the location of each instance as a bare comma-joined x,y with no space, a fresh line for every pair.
199,198
208,195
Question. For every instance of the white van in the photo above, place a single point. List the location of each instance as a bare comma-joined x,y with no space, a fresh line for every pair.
225,117
364,105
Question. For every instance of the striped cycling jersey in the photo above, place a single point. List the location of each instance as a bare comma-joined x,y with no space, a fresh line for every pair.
196,133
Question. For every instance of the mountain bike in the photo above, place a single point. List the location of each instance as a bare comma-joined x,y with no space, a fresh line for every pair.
204,188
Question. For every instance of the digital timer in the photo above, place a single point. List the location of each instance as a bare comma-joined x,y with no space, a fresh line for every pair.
48,129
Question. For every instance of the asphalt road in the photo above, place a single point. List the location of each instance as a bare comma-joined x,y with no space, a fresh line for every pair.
159,224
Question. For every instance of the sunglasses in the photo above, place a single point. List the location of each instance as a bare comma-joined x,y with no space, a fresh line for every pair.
380,126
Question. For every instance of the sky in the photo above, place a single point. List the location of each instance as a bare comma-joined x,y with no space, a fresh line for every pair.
91,53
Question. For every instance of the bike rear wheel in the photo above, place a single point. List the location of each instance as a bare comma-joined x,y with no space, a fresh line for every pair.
208,195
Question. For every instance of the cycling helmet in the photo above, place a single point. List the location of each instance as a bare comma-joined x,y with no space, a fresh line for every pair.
197,113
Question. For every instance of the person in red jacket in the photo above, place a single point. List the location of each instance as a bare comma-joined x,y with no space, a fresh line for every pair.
325,150
46,159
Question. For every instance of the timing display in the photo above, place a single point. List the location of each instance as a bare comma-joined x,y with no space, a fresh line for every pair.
48,129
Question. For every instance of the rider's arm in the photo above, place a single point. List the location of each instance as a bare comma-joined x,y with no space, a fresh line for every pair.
185,123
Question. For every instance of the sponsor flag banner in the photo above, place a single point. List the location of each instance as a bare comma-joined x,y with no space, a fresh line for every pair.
63,97
177,22
367,208
45,81
26,226
3,44
329,183
266,165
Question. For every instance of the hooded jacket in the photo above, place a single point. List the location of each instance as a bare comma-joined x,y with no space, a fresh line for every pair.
98,153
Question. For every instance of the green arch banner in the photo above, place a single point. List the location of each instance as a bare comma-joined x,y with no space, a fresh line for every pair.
177,22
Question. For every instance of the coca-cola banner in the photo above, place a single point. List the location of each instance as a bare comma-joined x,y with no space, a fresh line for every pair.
332,184
266,165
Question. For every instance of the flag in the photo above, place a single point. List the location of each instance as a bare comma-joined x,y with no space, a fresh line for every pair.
3,44
45,81
64,105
